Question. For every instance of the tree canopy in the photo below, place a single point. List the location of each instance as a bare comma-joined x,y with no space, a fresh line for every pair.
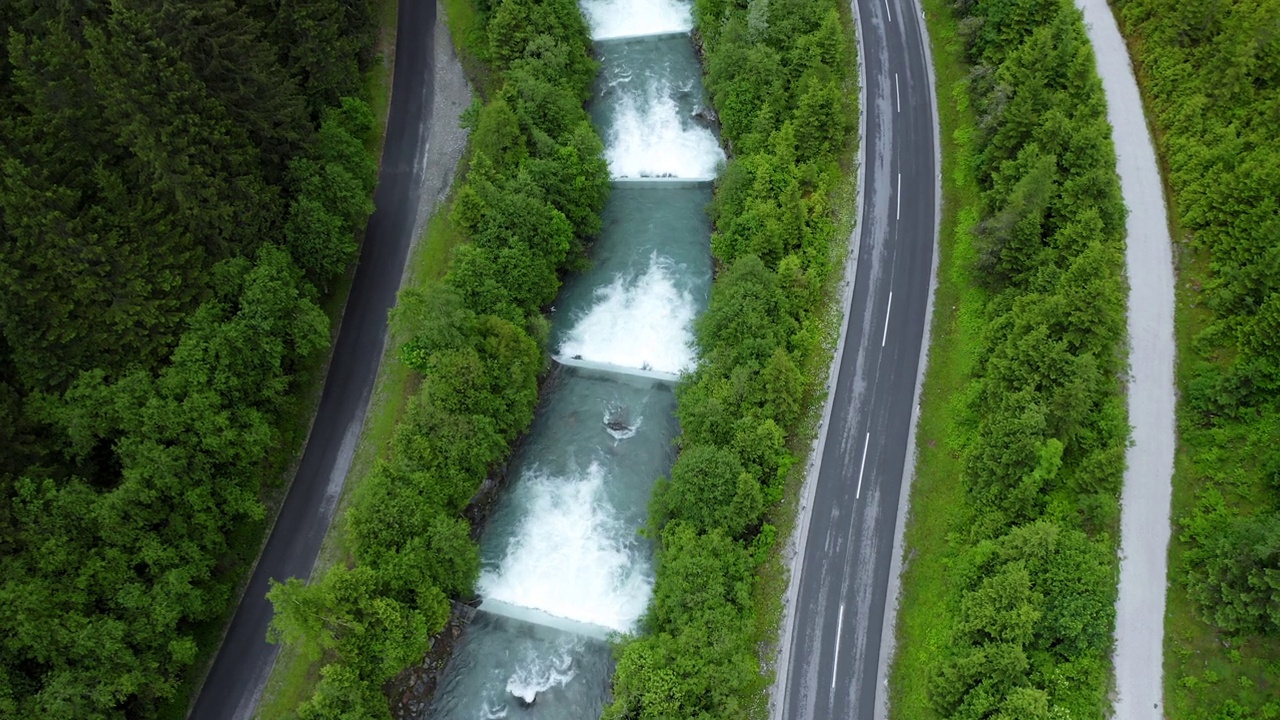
180,180
1042,434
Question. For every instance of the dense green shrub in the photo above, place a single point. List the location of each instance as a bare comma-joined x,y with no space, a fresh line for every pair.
1212,76
155,315
1044,428
533,193
335,193
117,559
780,76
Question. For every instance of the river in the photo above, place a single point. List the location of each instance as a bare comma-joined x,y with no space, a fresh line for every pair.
564,564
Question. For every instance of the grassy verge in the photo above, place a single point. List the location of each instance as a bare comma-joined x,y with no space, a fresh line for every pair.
469,40
924,616
1203,669
377,88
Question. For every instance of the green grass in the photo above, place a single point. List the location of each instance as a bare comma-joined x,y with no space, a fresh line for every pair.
1203,668
377,86
925,614
470,41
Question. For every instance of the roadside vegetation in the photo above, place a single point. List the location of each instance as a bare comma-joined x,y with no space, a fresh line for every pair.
171,220
1210,73
534,187
1008,590
782,77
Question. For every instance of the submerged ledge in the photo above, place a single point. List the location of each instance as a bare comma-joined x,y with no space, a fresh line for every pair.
671,182
643,37
533,616
611,369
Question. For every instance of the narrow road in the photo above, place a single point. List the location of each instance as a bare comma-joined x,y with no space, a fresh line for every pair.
829,663
409,183
1144,502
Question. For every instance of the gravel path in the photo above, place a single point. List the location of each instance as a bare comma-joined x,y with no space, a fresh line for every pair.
1144,523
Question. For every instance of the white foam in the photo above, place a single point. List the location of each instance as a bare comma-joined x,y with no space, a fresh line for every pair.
628,427
572,556
643,322
652,138
615,19
541,673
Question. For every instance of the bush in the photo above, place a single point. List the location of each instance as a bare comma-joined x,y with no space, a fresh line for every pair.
1044,427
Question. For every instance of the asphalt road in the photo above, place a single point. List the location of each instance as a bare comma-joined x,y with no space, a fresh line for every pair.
1145,499
240,671
829,665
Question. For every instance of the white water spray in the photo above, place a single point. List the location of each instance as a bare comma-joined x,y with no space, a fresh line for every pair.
538,674
652,138
572,556
644,322
617,19
618,426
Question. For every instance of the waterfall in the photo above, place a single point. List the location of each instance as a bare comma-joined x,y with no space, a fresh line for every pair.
652,138
571,555
643,322
625,19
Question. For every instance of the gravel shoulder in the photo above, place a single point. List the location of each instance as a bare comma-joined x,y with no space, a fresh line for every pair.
1145,500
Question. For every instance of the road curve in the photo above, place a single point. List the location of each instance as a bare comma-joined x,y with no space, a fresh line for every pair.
829,655
1145,499
409,183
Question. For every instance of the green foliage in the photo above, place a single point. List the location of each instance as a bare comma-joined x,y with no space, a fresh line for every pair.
1211,75
537,182
710,490
544,38
1035,608
119,555
144,143
155,316
780,78
1233,570
335,193
694,661
532,196
1031,580
323,46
